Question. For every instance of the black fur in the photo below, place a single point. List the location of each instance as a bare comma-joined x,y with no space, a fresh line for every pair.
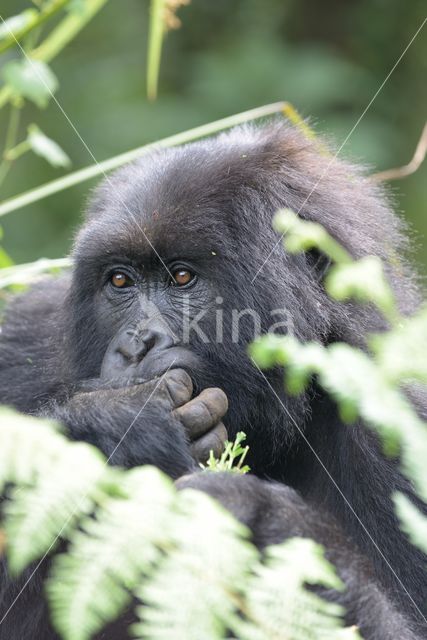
210,204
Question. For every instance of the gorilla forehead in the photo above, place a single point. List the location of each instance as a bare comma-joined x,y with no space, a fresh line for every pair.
182,200
173,198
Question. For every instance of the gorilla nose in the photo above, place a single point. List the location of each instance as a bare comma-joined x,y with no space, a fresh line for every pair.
129,350
155,340
134,346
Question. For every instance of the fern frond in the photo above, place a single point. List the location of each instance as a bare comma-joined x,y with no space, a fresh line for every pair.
27,446
39,515
195,590
91,584
57,481
277,604
131,534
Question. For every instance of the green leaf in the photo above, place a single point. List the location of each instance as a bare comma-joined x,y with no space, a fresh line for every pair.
360,388
90,585
47,510
27,445
302,235
17,23
46,147
401,353
57,480
276,599
363,281
31,79
207,566
5,259
301,360
267,351
414,522
132,534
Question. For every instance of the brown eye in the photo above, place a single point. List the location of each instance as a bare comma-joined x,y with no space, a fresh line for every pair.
121,280
182,277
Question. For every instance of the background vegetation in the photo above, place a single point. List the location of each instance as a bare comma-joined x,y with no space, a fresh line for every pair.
327,58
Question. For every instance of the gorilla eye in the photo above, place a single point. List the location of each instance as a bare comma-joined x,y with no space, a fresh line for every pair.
121,280
182,277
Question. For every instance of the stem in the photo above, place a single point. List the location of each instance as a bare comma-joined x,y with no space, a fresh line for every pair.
58,38
5,95
72,179
66,30
242,457
292,114
411,167
335,251
12,128
18,151
38,19
25,273
11,134
155,41
4,170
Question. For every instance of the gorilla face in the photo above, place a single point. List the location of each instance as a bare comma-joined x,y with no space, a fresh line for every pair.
178,266
163,276
153,291
162,287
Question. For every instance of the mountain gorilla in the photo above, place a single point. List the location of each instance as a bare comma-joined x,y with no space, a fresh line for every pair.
142,348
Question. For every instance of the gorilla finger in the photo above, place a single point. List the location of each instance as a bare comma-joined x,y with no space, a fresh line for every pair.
203,412
213,441
179,386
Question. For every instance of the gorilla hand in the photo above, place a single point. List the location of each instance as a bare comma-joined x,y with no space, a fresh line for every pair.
155,422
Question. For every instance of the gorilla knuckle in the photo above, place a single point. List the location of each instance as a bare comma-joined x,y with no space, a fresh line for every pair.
213,441
179,386
215,401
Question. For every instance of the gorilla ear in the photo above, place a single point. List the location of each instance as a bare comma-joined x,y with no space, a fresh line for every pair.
318,263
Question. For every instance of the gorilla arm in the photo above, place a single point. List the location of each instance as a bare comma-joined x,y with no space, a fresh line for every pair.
274,512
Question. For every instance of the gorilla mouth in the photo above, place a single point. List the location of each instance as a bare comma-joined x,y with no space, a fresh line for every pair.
139,357
156,363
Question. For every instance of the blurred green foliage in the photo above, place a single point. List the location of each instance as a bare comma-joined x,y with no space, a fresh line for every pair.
367,384
327,58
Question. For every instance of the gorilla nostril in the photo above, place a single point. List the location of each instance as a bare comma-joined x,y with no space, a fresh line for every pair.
133,351
149,340
134,346
156,340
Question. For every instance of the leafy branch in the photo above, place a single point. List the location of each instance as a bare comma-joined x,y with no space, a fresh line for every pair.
362,280
57,39
30,78
131,534
364,384
232,458
15,29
